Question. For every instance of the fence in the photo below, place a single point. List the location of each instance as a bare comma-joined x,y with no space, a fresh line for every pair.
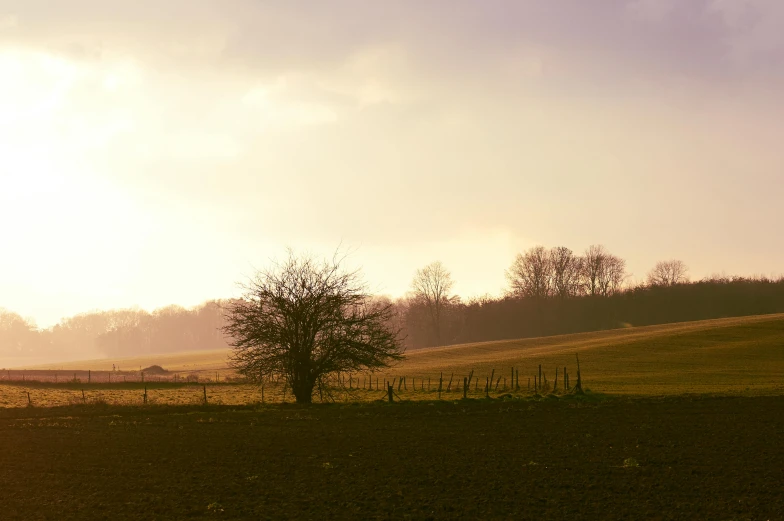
464,384
52,388
106,377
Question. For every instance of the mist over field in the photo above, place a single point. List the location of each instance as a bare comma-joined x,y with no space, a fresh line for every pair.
118,334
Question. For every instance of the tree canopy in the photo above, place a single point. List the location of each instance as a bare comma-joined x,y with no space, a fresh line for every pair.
304,320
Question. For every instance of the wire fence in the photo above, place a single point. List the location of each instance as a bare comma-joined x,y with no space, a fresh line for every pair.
114,377
55,388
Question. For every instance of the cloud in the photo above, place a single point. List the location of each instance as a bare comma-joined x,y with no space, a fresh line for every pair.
652,10
431,41
471,128
754,30
8,21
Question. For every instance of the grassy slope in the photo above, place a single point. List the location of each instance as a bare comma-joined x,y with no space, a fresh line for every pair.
183,361
724,355
707,356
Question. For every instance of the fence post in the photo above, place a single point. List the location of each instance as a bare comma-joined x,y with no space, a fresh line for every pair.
204,389
145,395
29,401
487,388
390,393
449,387
465,388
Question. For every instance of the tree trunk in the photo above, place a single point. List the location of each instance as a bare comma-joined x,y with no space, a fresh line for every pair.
303,389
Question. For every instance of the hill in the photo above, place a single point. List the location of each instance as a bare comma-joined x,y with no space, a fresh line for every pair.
711,356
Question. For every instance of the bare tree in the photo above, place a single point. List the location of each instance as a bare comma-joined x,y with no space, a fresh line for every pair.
531,273
592,264
432,286
612,275
305,320
668,273
565,269
603,273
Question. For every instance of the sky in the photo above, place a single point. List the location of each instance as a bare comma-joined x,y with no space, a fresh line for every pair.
154,152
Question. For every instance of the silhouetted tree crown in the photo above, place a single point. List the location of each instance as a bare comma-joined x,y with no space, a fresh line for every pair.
668,273
305,320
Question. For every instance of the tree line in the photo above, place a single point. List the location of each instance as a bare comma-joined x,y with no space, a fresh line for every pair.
115,333
550,291
555,291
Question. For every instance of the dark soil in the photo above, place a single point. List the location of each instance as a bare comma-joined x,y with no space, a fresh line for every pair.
702,458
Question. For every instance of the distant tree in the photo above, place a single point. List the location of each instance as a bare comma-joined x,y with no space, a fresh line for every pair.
531,274
565,272
612,275
592,265
602,272
305,320
17,335
668,273
431,288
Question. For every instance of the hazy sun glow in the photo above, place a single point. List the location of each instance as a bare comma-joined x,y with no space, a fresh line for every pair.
159,165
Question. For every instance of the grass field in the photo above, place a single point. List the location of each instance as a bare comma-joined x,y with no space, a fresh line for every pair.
713,356
725,356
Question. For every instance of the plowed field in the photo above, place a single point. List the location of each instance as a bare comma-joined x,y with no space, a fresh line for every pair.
669,458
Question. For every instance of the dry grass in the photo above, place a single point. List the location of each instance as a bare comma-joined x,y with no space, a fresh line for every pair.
58,395
180,362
